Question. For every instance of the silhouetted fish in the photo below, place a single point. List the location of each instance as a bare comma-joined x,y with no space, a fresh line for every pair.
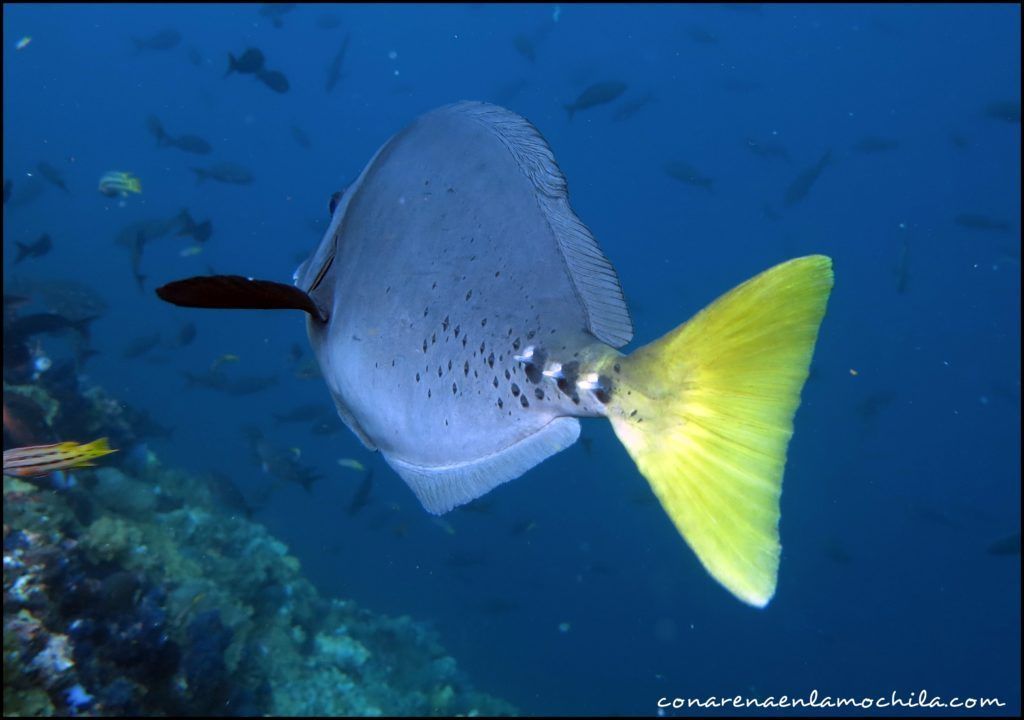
167,39
629,108
186,334
686,173
700,36
875,144
328,22
334,67
525,47
767,148
301,137
303,413
597,94
1005,110
273,79
224,172
801,185
199,231
362,494
275,12
249,62
40,247
52,175
193,144
140,346
977,221
1009,545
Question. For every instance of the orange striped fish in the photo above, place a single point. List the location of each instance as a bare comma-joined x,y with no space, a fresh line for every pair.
43,459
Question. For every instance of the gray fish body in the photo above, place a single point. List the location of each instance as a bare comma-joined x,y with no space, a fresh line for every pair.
453,253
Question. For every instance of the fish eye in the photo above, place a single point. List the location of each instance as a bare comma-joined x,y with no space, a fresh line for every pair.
335,199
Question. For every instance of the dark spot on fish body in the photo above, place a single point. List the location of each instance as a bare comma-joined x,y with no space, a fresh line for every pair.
433,338
500,404
444,324
483,322
523,401
464,342
465,368
425,311
490,360
495,381
469,294
428,393
417,377
538,393
515,390
508,375
533,373
457,329
449,366
617,368
515,344
439,371
424,346
455,388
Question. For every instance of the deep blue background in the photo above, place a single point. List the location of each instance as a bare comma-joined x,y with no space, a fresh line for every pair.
899,477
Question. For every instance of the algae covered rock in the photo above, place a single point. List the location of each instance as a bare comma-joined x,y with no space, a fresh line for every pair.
138,591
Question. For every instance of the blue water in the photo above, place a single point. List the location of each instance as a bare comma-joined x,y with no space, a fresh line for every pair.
905,464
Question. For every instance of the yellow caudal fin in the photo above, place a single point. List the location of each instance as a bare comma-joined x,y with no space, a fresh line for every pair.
706,412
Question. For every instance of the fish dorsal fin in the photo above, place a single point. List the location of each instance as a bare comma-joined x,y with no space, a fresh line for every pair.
593,277
238,292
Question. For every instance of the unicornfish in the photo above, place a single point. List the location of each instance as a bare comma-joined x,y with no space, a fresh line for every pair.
464,319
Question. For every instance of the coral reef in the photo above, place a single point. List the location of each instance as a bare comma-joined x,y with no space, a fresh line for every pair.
131,588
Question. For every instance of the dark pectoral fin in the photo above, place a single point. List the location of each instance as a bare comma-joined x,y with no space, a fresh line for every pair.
237,292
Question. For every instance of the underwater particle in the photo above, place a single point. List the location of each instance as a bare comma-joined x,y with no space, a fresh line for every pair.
23,43
853,372
564,627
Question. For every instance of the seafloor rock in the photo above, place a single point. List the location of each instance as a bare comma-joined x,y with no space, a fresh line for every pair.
131,591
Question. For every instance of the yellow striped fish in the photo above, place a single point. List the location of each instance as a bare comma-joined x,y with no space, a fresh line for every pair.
43,459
